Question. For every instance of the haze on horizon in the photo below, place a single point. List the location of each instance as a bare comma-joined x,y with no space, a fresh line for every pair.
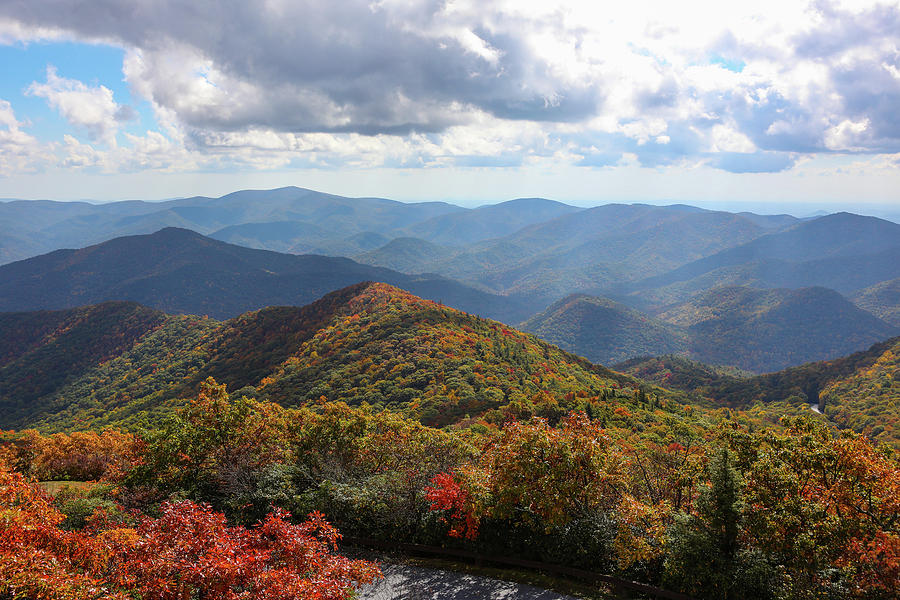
771,106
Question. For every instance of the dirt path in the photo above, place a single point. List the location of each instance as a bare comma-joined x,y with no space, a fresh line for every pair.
403,582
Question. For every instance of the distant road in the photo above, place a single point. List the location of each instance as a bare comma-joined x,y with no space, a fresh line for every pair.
402,582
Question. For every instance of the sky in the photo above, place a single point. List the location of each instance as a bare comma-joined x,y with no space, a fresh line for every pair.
766,104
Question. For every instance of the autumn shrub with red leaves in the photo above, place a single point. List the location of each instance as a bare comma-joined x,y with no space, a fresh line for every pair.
189,552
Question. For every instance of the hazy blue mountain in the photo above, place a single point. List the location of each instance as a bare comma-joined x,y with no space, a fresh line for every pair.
55,225
604,331
594,248
281,236
750,329
842,251
882,300
767,330
181,271
406,254
771,221
489,221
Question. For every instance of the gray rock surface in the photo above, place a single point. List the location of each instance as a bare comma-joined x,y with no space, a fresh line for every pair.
404,582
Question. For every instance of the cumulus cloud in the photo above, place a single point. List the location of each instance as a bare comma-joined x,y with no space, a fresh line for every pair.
92,109
19,151
744,88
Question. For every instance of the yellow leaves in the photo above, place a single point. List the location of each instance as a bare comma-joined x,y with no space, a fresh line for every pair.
642,530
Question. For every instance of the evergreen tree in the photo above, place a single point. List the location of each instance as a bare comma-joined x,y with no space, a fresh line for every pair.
706,559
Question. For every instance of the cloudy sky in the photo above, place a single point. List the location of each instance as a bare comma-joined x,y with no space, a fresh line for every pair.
776,101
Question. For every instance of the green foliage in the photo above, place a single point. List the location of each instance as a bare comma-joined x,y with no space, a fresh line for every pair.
77,504
604,331
857,392
392,350
44,354
705,555
367,344
217,449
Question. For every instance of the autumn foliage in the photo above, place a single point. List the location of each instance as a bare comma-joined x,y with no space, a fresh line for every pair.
188,552
798,512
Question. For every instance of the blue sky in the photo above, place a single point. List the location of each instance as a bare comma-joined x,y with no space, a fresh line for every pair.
768,105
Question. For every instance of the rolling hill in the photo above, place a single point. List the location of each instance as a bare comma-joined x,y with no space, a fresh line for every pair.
180,271
739,327
366,343
843,251
405,254
767,330
604,331
529,244
882,300
860,391
592,248
295,217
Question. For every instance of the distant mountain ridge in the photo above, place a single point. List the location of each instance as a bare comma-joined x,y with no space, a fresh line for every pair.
751,329
508,261
842,251
298,219
181,271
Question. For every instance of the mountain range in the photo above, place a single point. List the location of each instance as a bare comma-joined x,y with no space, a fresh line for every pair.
756,330
122,363
290,219
180,271
646,267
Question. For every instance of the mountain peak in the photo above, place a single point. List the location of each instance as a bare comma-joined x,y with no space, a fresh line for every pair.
370,294
177,232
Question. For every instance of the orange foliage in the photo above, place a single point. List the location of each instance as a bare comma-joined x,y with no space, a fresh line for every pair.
189,552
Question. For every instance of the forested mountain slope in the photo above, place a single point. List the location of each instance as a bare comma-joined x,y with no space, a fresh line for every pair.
860,391
766,330
882,300
750,329
368,343
604,331
180,271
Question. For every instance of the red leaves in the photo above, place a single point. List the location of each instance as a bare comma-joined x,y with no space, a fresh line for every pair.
447,495
190,551
192,547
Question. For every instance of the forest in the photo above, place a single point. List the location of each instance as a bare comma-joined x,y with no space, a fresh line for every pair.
209,459
449,300
201,506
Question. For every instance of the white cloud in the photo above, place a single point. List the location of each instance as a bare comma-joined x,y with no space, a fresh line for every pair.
91,109
19,151
847,135
727,139
425,83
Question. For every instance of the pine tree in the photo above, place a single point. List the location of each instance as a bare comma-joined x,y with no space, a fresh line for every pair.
706,559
